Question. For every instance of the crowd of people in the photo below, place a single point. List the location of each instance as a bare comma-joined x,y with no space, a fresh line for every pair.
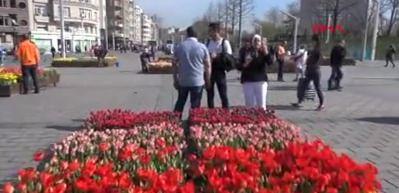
199,67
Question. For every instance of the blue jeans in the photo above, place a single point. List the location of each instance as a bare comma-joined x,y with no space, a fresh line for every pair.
195,97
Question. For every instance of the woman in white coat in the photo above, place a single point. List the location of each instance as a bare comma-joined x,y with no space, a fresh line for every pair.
254,60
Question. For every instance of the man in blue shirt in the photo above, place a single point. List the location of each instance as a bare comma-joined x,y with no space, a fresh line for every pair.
192,70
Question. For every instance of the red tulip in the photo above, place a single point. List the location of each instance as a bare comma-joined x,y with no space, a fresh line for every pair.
104,147
8,188
38,156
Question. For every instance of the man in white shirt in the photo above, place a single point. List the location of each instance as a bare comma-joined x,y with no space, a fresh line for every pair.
217,47
300,60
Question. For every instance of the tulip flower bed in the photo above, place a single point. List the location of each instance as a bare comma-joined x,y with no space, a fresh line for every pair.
241,127
121,151
125,119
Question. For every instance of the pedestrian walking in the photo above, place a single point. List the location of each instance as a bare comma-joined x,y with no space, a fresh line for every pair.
218,48
281,53
253,61
390,56
153,52
2,56
53,51
300,59
337,57
192,70
312,73
145,59
29,57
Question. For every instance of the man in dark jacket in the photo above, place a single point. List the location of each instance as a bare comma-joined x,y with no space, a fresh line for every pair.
390,56
337,57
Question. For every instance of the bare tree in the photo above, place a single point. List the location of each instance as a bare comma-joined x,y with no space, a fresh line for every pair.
293,8
394,6
273,15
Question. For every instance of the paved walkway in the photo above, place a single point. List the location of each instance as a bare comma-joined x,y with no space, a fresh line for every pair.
362,120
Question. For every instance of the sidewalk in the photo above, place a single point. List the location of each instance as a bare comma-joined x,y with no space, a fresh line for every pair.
361,121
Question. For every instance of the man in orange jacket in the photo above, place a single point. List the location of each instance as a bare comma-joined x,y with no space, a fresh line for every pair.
29,57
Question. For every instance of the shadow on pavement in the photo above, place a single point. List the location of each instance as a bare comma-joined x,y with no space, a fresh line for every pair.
63,127
381,120
283,107
282,88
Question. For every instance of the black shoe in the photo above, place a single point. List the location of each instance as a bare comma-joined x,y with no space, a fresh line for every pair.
37,92
331,88
386,66
297,105
339,88
24,93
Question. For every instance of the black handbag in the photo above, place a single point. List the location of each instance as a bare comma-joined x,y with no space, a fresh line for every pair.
229,61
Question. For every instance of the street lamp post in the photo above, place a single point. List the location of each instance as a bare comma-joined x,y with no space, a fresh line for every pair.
296,19
62,29
364,52
375,32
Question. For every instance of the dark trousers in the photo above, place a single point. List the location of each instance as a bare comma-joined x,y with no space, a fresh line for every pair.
195,97
389,60
315,76
26,71
280,69
335,78
218,78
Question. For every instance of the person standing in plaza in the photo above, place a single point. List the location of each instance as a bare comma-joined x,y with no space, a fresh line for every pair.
53,51
218,47
145,59
337,57
2,56
300,59
390,56
192,70
280,55
254,79
312,73
29,57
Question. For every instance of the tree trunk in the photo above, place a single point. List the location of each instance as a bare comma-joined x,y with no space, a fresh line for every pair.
233,18
240,25
392,18
226,19
335,18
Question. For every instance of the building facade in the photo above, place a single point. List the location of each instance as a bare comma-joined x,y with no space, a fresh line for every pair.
118,21
82,18
14,20
137,23
146,34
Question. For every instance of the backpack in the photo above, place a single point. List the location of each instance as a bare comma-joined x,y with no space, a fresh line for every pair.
228,60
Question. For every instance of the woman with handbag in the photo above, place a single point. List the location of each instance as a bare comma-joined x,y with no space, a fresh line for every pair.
254,79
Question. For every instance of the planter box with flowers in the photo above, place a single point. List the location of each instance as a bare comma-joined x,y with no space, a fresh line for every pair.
89,62
162,66
11,78
123,151
8,83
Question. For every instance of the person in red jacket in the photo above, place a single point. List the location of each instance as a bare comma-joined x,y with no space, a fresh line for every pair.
29,58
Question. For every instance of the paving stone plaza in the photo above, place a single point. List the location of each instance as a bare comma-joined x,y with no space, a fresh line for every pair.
362,120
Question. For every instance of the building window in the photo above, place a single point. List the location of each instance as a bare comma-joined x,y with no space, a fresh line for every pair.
85,13
4,21
41,10
13,3
67,12
22,5
3,3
